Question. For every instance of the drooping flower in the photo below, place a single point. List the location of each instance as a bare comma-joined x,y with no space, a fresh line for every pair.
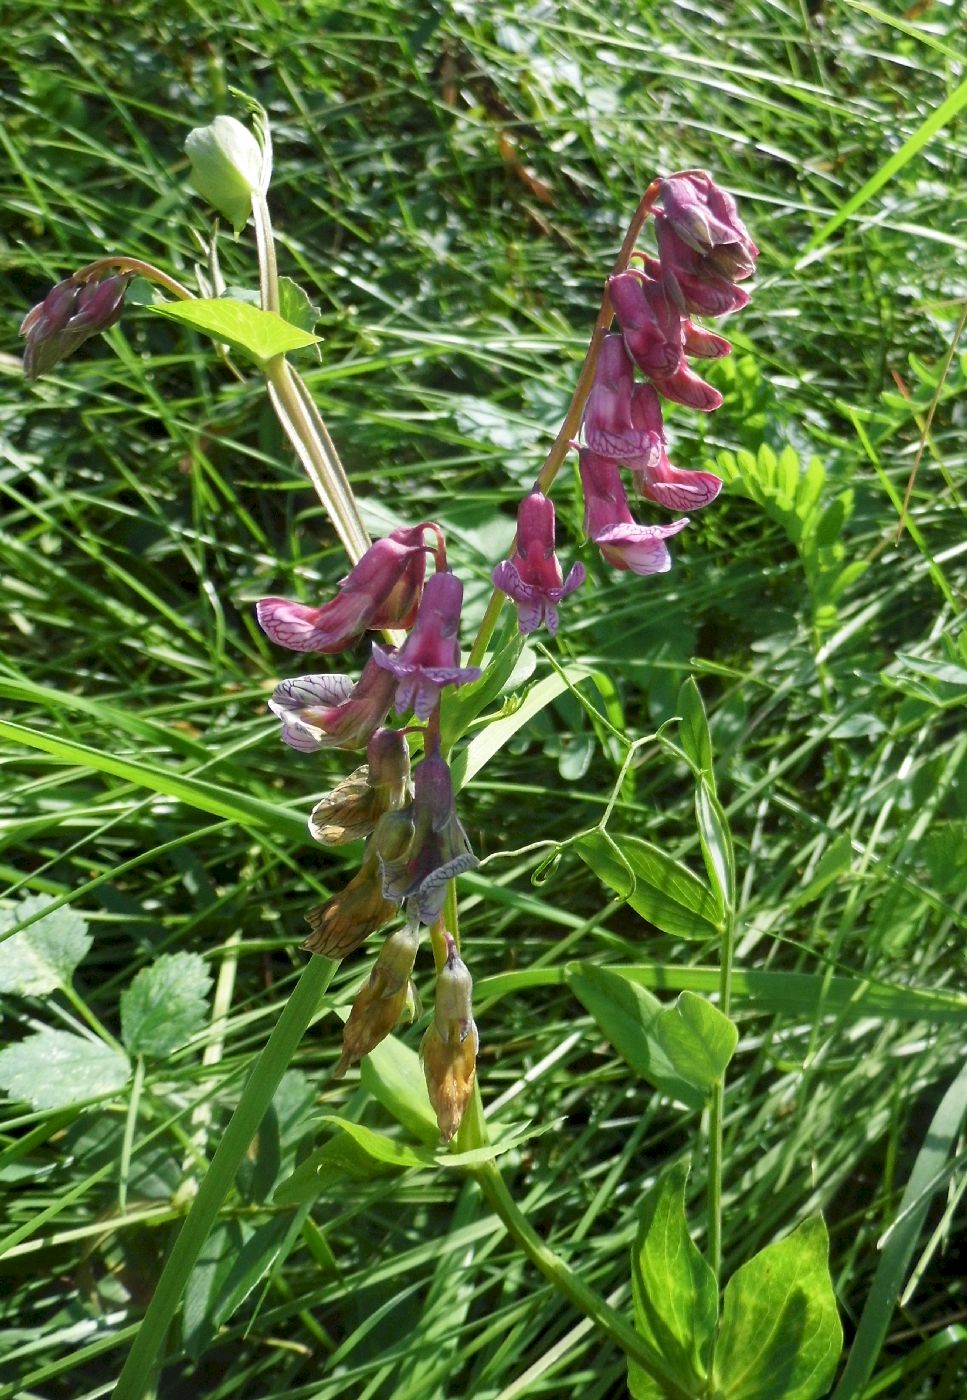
69,314
650,322
227,167
707,220
609,523
436,848
429,659
533,576
676,488
382,999
449,1049
331,711
609,427
351,811
703,245
349,917
382,590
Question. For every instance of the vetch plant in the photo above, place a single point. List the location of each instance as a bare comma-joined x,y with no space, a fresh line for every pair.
773,1331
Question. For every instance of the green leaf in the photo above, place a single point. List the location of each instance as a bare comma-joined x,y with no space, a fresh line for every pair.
665,892
698,1039
259,334
462,706
780,1337
674,1293
165,1005
257,1258
626,1016
295,306
328,1168
392,1073
716,841
55,1068
693,730
41,958
381,1148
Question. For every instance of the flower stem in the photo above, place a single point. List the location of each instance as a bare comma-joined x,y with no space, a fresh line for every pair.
716,1124
135,265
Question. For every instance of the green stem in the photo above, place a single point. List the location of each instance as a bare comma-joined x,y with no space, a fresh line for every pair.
717,1110
265,242
130,1122
564,1279
572,419
271,1064
143,269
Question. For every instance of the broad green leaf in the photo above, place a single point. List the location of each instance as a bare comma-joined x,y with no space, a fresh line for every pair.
697,1038
780,1337
259,334
165,1005
53,1069
674,1293
394,1076
693,730
716,842
328,1168
665,892
41,958
482,747
380,1147
626,1016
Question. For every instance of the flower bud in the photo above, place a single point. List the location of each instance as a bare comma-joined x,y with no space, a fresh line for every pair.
533,576
382,999
226,167
449,1049
69,314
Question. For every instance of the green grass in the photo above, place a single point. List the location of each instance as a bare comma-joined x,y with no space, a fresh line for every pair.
149,499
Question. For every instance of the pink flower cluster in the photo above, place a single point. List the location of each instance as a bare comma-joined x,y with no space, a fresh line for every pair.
705,251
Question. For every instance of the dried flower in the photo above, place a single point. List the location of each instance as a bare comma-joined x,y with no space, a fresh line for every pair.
533,576
609,523
330,711
345,920
351,811
449,1049
382,590
69,314
429,659
437,849
382,999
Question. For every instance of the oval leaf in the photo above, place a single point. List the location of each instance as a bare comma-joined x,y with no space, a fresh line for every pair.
41,958
697,1038
626,1015
781,1335
55,1068
259,334
665,892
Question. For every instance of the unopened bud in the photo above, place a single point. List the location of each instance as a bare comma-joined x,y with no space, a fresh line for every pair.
226,167
382,999
449,1049
69,314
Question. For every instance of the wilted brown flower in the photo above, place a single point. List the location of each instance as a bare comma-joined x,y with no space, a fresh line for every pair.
449,1049
352,809
382,999
343,922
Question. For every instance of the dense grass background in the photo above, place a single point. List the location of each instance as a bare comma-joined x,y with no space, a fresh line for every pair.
452,182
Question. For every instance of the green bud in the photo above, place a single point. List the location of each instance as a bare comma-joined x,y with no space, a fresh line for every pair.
226,167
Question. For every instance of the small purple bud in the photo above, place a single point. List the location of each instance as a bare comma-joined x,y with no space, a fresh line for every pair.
707,221
650,322
70,313
438,848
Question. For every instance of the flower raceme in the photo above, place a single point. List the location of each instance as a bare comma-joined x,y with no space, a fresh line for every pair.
533,577
382,591
429,659
69,314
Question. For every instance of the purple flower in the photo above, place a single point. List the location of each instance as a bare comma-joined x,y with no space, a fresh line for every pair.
706,220
429,659
650,322
437,848
685,386
609,523
382,590
609,427
330,712
674,487
533,576
69,314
